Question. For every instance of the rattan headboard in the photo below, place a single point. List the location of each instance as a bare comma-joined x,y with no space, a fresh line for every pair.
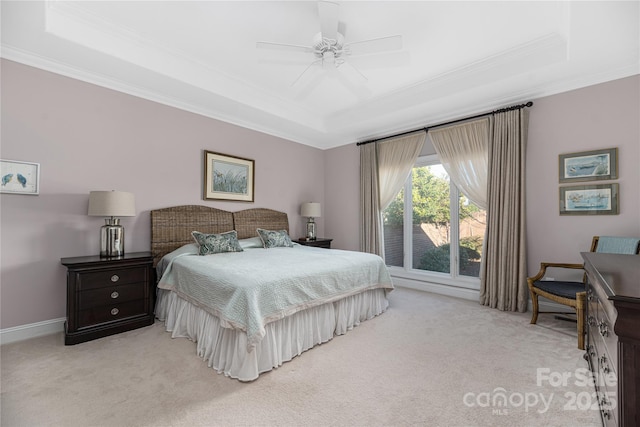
248,220
172,227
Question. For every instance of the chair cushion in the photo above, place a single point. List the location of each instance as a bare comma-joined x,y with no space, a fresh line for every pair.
560,288
618,245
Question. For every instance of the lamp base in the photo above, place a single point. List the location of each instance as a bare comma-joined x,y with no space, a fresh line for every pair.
111,238
311,229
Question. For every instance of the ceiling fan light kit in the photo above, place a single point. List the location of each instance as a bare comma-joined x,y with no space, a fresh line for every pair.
329,50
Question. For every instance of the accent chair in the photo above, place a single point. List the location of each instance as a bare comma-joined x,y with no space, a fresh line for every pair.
573,293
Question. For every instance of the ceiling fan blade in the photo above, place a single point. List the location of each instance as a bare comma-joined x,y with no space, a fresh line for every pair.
328,12
305,71
304,89
357,73
381,60
354,81
283,46
382,44
298,61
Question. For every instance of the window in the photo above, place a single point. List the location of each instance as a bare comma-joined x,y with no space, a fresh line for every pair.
431,227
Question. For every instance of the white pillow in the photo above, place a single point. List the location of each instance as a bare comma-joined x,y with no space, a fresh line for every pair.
252,242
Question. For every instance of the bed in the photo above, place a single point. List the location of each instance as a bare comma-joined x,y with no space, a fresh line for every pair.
249,317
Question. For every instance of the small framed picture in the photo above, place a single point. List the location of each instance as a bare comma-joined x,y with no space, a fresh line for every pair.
589,200
589,165
20,177
228,177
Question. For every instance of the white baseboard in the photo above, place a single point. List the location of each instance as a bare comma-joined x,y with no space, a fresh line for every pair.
32,330
471,294
436,288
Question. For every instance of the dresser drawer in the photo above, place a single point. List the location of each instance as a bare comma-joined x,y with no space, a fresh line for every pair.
607,392
110,295
600,320
111,277
608,338
109,313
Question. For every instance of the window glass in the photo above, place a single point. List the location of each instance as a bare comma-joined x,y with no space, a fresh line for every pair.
445,231
393,223
431,234
473,224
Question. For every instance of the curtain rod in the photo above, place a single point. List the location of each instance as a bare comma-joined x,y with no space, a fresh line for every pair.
426,129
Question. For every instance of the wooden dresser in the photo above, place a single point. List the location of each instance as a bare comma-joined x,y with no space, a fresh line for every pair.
613,335
106,296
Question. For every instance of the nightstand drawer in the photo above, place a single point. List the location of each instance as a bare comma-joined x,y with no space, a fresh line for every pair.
111,277
110,295
110,313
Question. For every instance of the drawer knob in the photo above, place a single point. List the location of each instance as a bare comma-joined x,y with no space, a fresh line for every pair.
115,278
115,311
115,294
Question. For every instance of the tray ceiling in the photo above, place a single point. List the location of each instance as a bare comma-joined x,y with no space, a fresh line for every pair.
457,58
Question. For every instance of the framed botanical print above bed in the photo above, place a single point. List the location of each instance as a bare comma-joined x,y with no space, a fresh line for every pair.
228,177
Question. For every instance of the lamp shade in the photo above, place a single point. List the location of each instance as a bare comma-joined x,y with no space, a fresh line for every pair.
310,209
111,203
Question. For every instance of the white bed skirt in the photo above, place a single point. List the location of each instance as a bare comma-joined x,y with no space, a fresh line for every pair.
225,349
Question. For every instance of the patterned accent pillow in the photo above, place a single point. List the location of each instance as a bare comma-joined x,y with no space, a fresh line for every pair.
275,239
217,243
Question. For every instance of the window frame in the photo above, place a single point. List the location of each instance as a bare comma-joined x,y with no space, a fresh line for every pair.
454,279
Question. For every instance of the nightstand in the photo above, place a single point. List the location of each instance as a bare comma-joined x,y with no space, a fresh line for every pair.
106,296
320,242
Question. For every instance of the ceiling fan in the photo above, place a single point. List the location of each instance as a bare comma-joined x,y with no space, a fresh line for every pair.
329,47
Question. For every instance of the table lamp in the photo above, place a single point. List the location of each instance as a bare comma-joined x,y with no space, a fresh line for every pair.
311,210
111,204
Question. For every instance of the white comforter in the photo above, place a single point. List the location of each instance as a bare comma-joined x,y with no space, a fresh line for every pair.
249,289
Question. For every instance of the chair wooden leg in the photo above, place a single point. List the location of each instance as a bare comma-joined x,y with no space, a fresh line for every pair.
534,303
580,313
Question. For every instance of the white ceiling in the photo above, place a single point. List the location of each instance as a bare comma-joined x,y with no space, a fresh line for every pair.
458,58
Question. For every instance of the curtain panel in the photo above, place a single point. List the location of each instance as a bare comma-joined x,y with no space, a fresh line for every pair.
370,224
384,168
503,272
396,158
463,150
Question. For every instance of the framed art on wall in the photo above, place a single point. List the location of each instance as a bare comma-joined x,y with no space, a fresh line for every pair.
589,165
228,177
589,200
20,177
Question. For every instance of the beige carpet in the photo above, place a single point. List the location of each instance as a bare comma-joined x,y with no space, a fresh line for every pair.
429,360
